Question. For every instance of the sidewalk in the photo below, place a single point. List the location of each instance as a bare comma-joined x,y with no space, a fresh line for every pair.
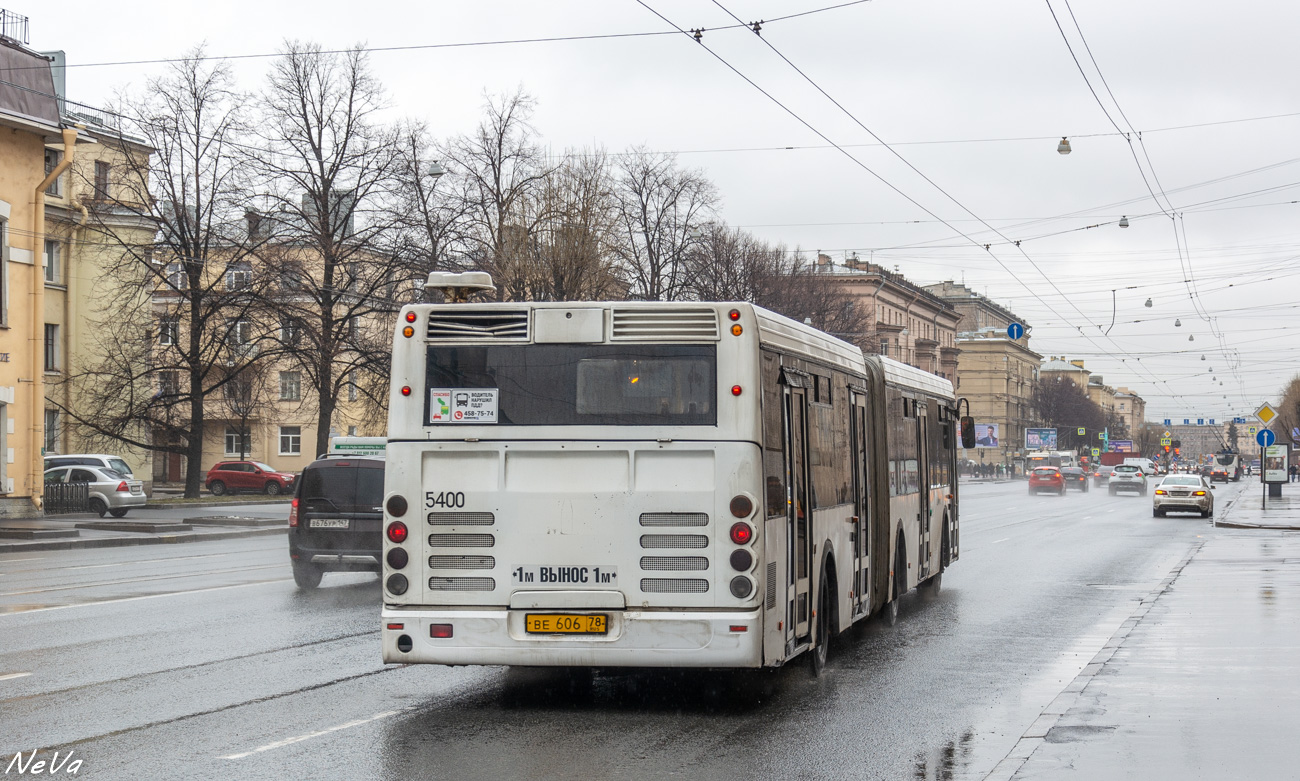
154,524
1200,681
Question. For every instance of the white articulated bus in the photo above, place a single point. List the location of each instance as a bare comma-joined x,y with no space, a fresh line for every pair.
652,484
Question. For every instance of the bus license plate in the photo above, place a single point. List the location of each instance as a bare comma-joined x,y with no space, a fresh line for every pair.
329,523
565,623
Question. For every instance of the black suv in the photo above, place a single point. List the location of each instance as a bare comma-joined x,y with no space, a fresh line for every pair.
336,519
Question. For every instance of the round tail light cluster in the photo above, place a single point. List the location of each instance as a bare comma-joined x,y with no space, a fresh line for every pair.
397,532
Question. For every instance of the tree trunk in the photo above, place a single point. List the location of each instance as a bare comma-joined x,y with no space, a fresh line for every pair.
194,453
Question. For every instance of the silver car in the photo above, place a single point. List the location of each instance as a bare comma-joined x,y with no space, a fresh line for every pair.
111,491
1183,494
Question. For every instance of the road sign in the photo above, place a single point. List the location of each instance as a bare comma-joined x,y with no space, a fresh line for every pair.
1015,330
1265,437
1200,421
1187,421
1166,435
1295,433
1082,431
1168,422
1266,413
1096,451
1164,441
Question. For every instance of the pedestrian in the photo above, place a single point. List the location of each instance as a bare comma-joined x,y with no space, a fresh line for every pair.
1293,472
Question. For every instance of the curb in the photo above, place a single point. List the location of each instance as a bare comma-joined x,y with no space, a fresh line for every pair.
121,542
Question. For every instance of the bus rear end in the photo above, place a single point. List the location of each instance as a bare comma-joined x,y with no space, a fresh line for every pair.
573,486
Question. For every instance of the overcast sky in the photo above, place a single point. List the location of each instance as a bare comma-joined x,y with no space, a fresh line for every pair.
974,96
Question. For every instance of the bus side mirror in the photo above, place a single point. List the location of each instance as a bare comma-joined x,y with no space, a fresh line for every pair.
968,432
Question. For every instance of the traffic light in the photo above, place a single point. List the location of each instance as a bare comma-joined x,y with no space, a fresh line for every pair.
1177,451
1166,447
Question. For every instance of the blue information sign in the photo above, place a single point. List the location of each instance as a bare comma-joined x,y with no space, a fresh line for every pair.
1168,422
1265,437
1200,421
1015,330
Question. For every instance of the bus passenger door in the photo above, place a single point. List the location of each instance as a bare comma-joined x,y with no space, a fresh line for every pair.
861,506
923,492
798,609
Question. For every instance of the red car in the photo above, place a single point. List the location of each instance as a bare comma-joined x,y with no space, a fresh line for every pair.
233,476
1046,478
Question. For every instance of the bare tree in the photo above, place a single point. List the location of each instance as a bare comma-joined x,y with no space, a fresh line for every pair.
661,208
573,233
1059,402
501,167
433,207
329,164
183,317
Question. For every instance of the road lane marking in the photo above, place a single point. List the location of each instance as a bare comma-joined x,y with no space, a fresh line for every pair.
4,612
1004,539
310,735
11,676
77,586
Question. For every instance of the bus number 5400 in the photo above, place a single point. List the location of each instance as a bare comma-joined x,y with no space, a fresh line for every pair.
444,499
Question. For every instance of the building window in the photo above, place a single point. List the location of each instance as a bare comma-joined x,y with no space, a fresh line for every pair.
884,347
290,386
51,347
52,159
352,386
237,441
177,279
291,331
169,383
52,432
239,276
102,172
352,431
290,440
169,329
4,281
239,332
52,270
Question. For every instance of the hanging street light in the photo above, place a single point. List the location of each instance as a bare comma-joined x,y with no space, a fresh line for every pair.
1123,222
1148,304
1064,146
1178,323
1191,337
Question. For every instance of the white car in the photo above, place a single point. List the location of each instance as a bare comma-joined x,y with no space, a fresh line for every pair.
1183,494
1127,477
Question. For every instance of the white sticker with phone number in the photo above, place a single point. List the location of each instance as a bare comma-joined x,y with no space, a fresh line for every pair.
463,405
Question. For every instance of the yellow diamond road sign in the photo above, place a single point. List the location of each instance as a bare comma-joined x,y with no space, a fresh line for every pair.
1266,413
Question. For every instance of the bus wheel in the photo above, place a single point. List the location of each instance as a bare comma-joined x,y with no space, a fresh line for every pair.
889,613
823,650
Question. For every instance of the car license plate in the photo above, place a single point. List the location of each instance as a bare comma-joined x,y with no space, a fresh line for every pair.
565,623
329,523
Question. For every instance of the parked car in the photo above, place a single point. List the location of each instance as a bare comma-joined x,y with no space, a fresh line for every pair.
1183,493
336,520
1046,478
1127,477
1075,477
234,476
111,491
87,459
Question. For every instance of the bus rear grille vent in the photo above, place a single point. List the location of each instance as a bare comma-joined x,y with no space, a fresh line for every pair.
674,519
478,325
462,584
674,585
462,562
674,563
679,324
771,585
461,541
461,519
674,541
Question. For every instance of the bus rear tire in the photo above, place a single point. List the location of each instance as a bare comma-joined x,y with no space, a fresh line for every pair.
822,651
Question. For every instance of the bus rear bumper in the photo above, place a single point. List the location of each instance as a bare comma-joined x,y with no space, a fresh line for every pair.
633,639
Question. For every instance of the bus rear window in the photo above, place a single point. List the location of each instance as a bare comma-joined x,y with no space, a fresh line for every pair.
584,385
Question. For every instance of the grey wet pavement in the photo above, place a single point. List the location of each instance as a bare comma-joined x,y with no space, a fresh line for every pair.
150,525
1200,682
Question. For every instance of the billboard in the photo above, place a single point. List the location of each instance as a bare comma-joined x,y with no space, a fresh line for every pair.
1276,458
986,435
1040,439
1121,446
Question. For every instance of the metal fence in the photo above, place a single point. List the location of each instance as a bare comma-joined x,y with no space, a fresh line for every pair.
67,498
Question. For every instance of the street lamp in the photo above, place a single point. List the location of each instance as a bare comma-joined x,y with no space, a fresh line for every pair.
1064,146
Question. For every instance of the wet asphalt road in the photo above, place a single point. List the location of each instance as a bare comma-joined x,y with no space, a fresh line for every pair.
205,661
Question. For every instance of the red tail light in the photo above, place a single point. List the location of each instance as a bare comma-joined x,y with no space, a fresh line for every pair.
293,512
741,533
123,488
441,631
397,531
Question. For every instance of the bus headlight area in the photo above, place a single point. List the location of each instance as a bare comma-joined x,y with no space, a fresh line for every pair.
632,638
